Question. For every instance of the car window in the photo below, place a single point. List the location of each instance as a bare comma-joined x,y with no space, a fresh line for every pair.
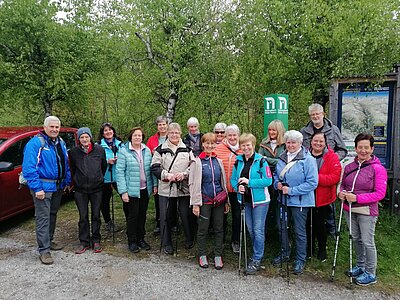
69,139
14,153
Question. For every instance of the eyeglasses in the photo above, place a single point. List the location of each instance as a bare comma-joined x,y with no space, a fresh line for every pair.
316,114
219,132
174,133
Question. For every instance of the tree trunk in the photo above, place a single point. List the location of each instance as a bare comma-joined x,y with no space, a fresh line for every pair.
48,107
171,105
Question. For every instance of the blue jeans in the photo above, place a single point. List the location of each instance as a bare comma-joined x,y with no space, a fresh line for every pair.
45,218
299,219
255,222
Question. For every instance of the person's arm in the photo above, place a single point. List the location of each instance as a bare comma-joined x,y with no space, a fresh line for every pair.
333,170
340,146
265,178
103,161
120,173
195,176
310,182
234,178
29,169
380,187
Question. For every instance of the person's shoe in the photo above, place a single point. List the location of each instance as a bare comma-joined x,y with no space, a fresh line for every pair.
133,247
156,231
322,255
235,247
218,264
143,245
279,259
252,267
81,249
169,250
203,262
365,279
298,267
97,248
56,246
354,272
189,245
46,258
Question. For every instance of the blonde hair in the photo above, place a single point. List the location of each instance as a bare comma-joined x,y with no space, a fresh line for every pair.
208,137
247,137
280,128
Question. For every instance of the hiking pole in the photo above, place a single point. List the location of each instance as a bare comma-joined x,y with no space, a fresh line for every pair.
287,234
241,237
350,244
281,227
337,241
112,204
311,233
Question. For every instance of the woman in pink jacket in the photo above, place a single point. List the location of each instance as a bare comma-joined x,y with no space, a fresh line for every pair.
363,186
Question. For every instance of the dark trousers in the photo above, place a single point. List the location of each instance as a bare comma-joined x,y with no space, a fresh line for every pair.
207,213
319,231
157,209
235,210
82,202
167,216
136,210
105,202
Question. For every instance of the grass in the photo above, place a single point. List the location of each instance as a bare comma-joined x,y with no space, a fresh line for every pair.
387,242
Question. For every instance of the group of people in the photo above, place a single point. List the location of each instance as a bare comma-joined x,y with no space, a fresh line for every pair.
294,178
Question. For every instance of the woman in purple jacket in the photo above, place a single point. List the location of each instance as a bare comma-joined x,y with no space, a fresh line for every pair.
363,186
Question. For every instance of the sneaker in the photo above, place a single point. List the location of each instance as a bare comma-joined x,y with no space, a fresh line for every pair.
46,258
143,245
253,266
169,250
354,272
236,247
365,279
133,247
156,231
322,255
279,259
298,267
203,262
189,245
218,264
56,246
97,248
81,249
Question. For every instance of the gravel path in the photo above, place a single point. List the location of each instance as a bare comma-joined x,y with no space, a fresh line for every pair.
103,276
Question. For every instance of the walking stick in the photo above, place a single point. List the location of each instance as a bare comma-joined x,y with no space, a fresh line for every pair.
112,204
242,237
311,233
337,241
350,244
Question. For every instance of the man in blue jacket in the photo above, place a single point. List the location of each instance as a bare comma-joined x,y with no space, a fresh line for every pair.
45,167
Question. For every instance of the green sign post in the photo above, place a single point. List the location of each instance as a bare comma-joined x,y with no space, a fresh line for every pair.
276,107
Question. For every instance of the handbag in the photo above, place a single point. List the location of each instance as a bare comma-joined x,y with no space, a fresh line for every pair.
362,210
219,199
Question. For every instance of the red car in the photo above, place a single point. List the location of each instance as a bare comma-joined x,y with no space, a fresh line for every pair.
13,198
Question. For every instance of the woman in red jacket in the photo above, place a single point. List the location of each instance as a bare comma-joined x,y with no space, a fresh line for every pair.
329,170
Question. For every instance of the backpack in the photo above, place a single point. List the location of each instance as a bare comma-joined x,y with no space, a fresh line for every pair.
21,179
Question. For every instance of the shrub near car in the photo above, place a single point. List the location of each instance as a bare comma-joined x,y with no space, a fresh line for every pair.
15,199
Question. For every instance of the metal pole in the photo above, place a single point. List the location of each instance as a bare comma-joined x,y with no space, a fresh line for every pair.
337,242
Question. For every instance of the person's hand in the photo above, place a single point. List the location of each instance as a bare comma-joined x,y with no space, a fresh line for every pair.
155,190
196,210
170,177
342,195
112,161
40,195
280,186
350,197
243,180
226,208
125,197
285,190
241,189
179,176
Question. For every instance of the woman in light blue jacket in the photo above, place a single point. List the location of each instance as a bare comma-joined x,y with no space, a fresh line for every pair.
135,185
251,177
295,178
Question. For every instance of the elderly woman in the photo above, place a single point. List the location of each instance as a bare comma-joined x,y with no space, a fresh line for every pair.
296,178
363,186
170,164
135,185
329,171
219,130
250,178
227,152
193,139
209,199
111,143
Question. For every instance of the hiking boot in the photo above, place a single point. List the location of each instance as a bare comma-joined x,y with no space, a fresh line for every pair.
365,279
253,266
46,258
143,245
81,249
354,272
133,247
156,231
218,264
235,247
279,260
56,246
298,267
189,245
322,255
203,262
97,248
169,250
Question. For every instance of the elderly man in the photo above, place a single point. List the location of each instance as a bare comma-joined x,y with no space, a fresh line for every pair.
45,167
319,123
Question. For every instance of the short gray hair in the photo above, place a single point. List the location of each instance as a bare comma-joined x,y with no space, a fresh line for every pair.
315,107
175,126
193,122
219,126
51,119
161,119
293,135
232,127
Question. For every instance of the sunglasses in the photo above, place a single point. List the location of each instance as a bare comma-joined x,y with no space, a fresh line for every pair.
219,132
107,124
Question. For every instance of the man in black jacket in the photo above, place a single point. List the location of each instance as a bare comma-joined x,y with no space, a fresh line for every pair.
88,166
